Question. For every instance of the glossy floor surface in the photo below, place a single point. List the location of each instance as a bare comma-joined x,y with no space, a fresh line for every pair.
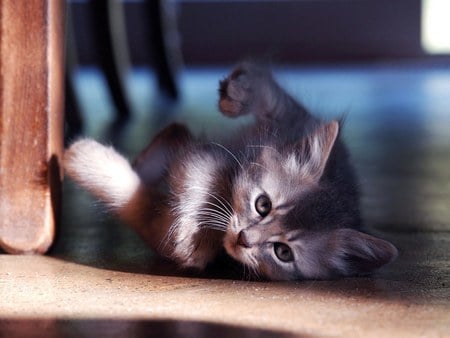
100,279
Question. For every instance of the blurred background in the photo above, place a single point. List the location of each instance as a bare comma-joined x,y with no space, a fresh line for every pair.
217,32
127,55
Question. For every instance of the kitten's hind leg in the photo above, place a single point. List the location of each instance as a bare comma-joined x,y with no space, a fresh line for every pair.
102,171
251,89
153,161
109,177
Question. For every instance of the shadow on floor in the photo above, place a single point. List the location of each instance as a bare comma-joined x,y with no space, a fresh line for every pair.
50,328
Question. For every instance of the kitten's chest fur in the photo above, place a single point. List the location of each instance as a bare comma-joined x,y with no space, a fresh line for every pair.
200,182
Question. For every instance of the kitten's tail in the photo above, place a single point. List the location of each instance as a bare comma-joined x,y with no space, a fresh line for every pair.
103,172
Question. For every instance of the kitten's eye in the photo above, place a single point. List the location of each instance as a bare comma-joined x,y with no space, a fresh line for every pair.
283,252
263,205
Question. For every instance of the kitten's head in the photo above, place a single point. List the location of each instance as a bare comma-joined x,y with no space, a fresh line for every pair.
293,214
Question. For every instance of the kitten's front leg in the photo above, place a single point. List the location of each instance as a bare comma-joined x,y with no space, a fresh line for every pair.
251,89
195,248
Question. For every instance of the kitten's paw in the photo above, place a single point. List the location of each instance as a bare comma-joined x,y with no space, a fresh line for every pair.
238,90
235,93
244,89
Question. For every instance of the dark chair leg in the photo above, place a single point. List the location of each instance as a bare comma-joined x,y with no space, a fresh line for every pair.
74,121
109,34
166,55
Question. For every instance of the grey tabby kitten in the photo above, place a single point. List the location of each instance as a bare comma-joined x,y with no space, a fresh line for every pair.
280,196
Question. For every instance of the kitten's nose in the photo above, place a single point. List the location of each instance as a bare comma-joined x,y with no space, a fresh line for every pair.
242,240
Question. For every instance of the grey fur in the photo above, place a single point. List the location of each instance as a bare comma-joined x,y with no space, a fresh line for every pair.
205,196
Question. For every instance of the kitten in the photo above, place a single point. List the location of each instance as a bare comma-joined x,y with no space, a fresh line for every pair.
280,196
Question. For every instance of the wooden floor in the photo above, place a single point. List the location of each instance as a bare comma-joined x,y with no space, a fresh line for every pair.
100,279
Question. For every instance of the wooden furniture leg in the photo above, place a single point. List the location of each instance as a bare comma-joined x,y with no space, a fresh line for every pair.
31,122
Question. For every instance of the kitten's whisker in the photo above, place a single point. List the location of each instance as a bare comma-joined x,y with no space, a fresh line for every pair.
215,214
256,273
223,211
259,165
167,237
244,277
218,200
221,201
265,147
211,216
253,266
217,209
212,226
229,152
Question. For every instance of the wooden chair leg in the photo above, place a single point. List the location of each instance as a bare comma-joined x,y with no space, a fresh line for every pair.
31,122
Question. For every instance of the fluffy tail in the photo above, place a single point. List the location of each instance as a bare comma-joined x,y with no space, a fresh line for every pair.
103,172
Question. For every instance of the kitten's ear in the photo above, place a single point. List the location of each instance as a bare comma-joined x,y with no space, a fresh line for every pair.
154,160
350,252
316,148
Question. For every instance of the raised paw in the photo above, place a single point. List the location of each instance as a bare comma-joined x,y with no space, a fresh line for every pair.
247,89
235,93
242,88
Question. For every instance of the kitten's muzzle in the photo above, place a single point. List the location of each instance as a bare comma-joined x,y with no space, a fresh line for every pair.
243,240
